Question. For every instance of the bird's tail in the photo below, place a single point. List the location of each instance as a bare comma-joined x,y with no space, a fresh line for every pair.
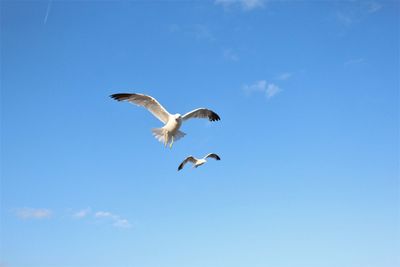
178,135
160,134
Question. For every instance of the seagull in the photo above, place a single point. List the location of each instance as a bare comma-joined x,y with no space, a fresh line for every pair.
198,162
170,131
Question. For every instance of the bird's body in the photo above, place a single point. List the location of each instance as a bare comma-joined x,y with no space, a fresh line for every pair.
197,162
174,123
170,131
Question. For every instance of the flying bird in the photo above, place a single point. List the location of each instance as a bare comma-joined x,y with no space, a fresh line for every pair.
170,131
197,162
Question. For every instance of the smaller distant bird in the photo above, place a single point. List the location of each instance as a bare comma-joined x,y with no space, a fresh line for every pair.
198,162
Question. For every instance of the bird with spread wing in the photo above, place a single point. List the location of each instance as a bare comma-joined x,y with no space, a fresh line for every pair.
172,122
198,162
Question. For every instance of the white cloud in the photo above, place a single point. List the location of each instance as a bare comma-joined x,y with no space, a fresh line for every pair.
244,4
357,11
174,28
230,55
196,31
103,214
354,61
82,213
117,221
251,4
114,219
255,87
272,90
47,12
202,32
284,76
225,3
269,89
31,213
122,223
344,19
373,7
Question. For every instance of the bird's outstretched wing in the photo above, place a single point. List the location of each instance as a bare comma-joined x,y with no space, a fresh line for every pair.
201,113
213,155
190,158
145,101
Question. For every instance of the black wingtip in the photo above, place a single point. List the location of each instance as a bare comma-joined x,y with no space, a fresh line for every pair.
214,116
180,167
216,156
120,97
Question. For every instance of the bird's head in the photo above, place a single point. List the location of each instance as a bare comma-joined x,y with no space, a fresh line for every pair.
178,116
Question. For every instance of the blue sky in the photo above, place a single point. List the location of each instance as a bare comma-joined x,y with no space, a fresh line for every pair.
308,94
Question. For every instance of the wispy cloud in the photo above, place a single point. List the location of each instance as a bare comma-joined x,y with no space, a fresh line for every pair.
47,11
122,223
284,76
230,55
103,214
116,220
272,90
269,89
82,213
244,4
373,6
255,87
174,28
31,213
356,11
344,18
354,61
196,31
202,32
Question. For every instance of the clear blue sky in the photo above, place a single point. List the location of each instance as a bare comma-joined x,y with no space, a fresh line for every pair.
308,93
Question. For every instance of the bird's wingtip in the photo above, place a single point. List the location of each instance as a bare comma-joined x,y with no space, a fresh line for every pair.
114,96
120,96
214,116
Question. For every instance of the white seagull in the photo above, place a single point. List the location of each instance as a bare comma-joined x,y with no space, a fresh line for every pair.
170,131
197,162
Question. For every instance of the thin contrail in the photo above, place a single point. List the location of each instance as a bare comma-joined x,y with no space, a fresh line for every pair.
47,11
